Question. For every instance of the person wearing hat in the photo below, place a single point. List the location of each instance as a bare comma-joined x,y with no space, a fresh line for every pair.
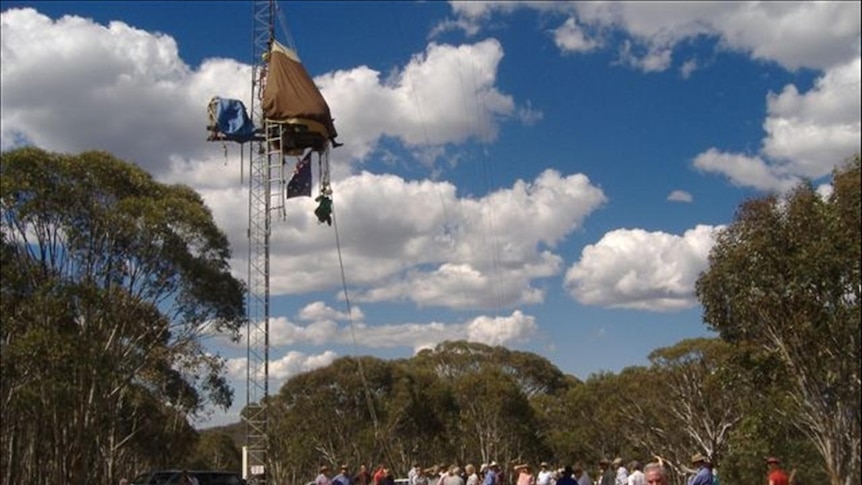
606,476
776,475
323,476
545,475
525,476
703,476
491,474
343,477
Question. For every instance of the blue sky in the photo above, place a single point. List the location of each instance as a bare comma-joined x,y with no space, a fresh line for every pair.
548,176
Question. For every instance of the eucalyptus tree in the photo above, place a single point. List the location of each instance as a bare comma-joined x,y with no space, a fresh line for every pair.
596,417
497,391
785,275
705,394
421,415
110,281
216,450
331,415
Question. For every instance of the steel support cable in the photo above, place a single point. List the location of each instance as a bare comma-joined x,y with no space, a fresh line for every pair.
368,399
486,175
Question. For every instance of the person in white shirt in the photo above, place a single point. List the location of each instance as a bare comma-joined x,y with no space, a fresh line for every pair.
472,476
545,475
323,476
453,477
582,476
622,474
636,477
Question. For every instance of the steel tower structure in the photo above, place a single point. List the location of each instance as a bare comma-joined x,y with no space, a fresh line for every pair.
266,176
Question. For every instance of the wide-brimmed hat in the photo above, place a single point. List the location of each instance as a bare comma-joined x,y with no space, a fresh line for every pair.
604,461
544,464
773,459
324,468
698,458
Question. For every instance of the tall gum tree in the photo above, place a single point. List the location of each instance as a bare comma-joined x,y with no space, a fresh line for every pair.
110,279
786,276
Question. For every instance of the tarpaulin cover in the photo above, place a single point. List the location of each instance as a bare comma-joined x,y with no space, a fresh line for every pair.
290,92
232,120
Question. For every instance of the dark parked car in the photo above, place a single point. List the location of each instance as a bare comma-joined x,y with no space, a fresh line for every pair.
205,477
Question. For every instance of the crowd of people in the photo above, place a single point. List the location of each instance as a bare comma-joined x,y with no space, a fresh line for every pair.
608,472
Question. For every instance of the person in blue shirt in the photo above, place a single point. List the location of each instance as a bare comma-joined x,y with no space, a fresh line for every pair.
343,477
491,474
704,474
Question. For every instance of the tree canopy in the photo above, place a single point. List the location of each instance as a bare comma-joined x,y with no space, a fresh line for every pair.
109,280
785,277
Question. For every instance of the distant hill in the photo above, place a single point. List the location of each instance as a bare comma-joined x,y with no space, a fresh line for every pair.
236,431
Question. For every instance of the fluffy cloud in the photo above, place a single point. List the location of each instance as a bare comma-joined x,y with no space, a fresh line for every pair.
680,196
127,91
463,253
491,330
418,241
284,367
63,79
807,134
445,95
570,37
319,310
633,268
819,35
71,85
743,170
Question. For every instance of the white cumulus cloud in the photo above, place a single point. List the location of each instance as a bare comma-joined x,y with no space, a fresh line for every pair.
680,196
818,35
633,268
807,134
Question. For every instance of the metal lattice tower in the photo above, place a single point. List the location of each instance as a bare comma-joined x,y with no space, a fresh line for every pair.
265,183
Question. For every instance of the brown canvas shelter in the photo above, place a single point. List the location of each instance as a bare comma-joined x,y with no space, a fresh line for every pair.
291,96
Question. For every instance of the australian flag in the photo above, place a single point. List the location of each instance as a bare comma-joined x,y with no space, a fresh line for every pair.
300,182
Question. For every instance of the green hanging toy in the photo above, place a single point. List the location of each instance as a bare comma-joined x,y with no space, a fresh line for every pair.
324,209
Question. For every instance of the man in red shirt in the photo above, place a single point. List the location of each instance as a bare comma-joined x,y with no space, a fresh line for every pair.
776,474
379,474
